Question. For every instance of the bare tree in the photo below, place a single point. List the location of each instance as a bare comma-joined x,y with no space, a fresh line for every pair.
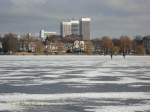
10,43
89,47
125,44
107,44
139,50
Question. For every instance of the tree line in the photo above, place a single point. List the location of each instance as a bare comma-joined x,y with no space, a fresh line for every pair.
104,45
124,44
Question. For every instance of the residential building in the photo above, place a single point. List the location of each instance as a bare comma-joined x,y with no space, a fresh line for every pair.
146,42
138,40
75,27
98,46
56,47
26,47
85,30
79,46
1,47
65,29
68,46
45,34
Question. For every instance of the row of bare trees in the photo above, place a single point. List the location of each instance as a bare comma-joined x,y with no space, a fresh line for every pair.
124,44
11,43
104,45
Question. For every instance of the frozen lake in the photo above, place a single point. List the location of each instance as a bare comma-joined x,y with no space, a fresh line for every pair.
74,84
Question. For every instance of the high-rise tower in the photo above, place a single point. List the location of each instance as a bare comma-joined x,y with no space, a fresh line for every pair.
65,29
85,30
75,27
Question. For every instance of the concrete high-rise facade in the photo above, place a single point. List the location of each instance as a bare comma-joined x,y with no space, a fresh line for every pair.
65,29
85,28
77,27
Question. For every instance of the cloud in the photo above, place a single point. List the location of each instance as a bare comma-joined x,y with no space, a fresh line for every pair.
26,6
109,17
26,3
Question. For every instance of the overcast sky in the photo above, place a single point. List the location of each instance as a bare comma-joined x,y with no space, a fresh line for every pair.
109,17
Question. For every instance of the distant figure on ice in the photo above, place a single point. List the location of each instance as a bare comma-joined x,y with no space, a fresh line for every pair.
124,55
111,55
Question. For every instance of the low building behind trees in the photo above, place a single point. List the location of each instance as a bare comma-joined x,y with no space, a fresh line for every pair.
146,42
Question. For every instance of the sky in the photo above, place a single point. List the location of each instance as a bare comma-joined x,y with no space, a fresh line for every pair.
109,17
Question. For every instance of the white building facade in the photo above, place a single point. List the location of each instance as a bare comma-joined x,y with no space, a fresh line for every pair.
75,27
85,28
66,29
45,34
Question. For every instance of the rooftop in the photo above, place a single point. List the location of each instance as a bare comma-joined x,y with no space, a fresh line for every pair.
85,19
147,37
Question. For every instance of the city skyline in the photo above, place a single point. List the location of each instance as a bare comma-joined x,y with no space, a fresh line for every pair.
79,27
109,17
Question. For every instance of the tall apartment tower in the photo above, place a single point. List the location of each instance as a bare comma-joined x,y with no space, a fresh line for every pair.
85,30
66,29
75,27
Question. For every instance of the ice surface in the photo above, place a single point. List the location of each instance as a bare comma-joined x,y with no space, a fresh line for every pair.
110,95
74,84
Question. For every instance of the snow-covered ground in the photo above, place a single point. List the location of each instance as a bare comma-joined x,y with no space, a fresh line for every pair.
74,84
